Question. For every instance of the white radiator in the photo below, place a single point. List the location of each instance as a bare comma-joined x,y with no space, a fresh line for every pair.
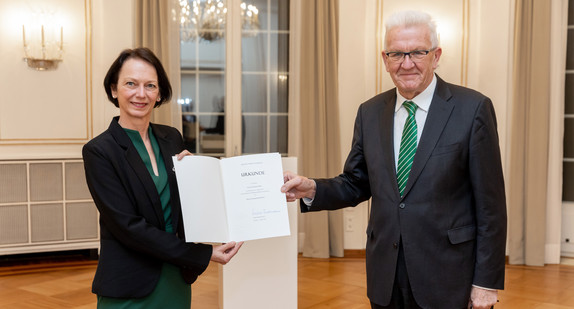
45,206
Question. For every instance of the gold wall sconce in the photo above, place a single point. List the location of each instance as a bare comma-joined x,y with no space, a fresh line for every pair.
42,50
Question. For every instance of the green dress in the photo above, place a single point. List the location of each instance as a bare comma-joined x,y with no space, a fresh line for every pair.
171,290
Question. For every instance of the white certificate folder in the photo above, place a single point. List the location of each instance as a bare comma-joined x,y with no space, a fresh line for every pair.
232,199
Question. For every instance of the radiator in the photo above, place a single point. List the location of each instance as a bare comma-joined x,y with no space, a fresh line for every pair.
45,206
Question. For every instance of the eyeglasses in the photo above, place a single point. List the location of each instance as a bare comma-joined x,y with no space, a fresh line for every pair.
415,55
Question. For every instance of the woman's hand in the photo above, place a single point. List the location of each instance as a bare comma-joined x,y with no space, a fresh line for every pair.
183,154
222,254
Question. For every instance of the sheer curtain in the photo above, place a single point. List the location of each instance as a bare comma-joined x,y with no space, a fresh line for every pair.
156,28
320,145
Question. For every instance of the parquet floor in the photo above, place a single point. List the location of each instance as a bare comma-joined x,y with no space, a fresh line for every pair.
323,283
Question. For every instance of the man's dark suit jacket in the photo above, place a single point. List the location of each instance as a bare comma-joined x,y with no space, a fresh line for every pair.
134,244
452,217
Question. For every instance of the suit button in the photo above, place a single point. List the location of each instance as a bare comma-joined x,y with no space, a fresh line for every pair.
395,245
402,205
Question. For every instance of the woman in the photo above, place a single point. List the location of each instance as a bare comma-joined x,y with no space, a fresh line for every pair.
144,260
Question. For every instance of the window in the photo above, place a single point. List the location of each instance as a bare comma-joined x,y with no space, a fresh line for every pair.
207,75
568,183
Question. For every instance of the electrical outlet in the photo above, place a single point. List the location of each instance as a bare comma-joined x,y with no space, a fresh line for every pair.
349,224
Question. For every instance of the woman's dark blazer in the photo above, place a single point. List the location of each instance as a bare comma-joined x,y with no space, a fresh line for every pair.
134,244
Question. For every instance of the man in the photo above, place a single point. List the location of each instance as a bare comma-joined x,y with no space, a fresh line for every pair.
427,154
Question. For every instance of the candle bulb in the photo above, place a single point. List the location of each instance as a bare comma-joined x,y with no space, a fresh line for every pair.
61,38
43,44
24,35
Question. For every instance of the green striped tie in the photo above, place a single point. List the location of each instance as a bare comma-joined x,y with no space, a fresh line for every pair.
408,146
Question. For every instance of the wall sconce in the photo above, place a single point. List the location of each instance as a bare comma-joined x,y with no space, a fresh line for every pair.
41,49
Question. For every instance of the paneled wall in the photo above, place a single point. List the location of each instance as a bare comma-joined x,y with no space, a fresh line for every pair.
41,109
47,116
52,114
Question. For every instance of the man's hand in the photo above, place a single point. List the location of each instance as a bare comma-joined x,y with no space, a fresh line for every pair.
222,254
482,298
296,187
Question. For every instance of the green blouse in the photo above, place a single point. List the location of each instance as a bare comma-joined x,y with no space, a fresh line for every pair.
160,180
171,290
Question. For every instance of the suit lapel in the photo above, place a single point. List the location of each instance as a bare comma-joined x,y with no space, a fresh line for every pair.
386,129
139,168
167,152
142,173
437,118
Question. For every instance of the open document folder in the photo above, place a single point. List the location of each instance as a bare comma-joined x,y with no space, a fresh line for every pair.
232,199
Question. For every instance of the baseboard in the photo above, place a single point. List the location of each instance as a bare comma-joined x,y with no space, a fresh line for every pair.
552,254
355,253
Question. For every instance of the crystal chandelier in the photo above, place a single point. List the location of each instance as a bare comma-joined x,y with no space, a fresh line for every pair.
206,19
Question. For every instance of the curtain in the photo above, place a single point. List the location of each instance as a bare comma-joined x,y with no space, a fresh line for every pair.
528,165
320,138
156,28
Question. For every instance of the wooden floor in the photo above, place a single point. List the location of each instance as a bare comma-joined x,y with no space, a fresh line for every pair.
323,283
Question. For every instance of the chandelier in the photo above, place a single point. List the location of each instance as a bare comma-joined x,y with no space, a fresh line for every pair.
206,19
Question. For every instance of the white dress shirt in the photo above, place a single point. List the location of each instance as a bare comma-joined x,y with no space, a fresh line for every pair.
423,101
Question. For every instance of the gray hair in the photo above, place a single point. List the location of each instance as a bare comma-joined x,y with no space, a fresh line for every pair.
409,19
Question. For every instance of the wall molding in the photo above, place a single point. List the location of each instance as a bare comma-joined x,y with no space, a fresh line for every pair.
55,97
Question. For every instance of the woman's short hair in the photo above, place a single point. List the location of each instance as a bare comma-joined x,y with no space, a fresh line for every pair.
146,55
412,18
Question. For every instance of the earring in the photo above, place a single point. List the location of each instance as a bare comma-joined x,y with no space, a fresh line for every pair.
114,96
158,99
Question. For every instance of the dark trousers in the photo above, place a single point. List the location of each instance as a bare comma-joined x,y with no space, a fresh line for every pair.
402,294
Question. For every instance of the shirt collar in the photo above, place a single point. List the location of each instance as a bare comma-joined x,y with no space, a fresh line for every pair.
423,100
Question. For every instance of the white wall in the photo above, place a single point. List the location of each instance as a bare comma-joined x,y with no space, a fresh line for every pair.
35,106
559,215
51,114
357,59
491,39
113,28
